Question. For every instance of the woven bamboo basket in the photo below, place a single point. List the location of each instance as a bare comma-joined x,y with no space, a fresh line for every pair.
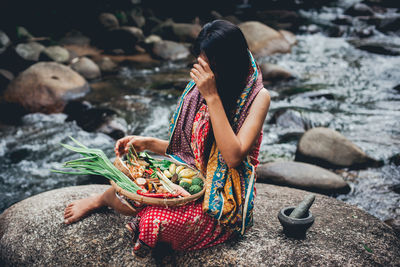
166,202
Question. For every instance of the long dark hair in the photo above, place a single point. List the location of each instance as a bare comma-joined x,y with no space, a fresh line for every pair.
227,52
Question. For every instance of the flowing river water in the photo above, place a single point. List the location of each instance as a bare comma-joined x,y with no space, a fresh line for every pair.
337,86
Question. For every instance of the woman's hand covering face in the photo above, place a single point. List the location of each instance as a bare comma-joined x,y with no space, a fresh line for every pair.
204,79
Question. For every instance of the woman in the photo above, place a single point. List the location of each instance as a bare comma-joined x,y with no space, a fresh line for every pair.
217,128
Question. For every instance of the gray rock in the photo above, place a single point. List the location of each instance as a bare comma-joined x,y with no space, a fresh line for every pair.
55,53
125,38
385,22
169,50
106,65
151,39
359,9
29,51
45,87
290,37
137,17
96,119
382,45
4,41
273,72
108,21
23,33
328,148
383,3
395,224
263,40
343,20
114,126
180,32
5,78
303,176
75,38
86,67
33,234
289,119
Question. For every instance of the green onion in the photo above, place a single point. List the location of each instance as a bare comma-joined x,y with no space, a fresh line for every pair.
165,182
95,162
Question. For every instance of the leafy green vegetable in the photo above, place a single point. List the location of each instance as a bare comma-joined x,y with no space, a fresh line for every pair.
95,162
198,181
194,189
154,163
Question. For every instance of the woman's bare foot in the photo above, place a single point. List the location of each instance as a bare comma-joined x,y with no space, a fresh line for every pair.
80,208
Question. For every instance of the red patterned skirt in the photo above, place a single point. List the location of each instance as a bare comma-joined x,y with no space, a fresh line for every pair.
184,228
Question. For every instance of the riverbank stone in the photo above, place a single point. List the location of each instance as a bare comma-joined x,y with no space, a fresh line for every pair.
108,21
169,50
328,148
29,51
5,78
75,38
55,53
382,45
96,119
106,65
4,41
86,67
263,40
301,175
274,72
178,32
359,9
341,235
125,38
45,87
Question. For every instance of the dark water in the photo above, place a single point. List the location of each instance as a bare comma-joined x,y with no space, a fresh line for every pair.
338,87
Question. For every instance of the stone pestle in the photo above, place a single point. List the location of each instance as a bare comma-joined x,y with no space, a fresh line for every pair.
303,207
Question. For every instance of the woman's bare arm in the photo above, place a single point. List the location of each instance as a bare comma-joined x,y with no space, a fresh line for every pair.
233,147
158,146
141,143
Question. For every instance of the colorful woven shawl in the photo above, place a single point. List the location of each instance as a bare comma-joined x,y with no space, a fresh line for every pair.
229,195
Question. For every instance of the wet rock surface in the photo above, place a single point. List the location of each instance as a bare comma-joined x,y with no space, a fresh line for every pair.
96,119
29,51
179,32
341,235
55,53
327,147
274,72
263,40
45,87
383,46
123,38
303,176
86,67
169,50
5,78
4,41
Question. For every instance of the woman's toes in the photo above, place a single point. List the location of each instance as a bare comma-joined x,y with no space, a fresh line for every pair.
68,214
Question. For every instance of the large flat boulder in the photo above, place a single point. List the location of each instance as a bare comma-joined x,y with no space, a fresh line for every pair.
32,233
263,40
328,148
302,175
45,87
